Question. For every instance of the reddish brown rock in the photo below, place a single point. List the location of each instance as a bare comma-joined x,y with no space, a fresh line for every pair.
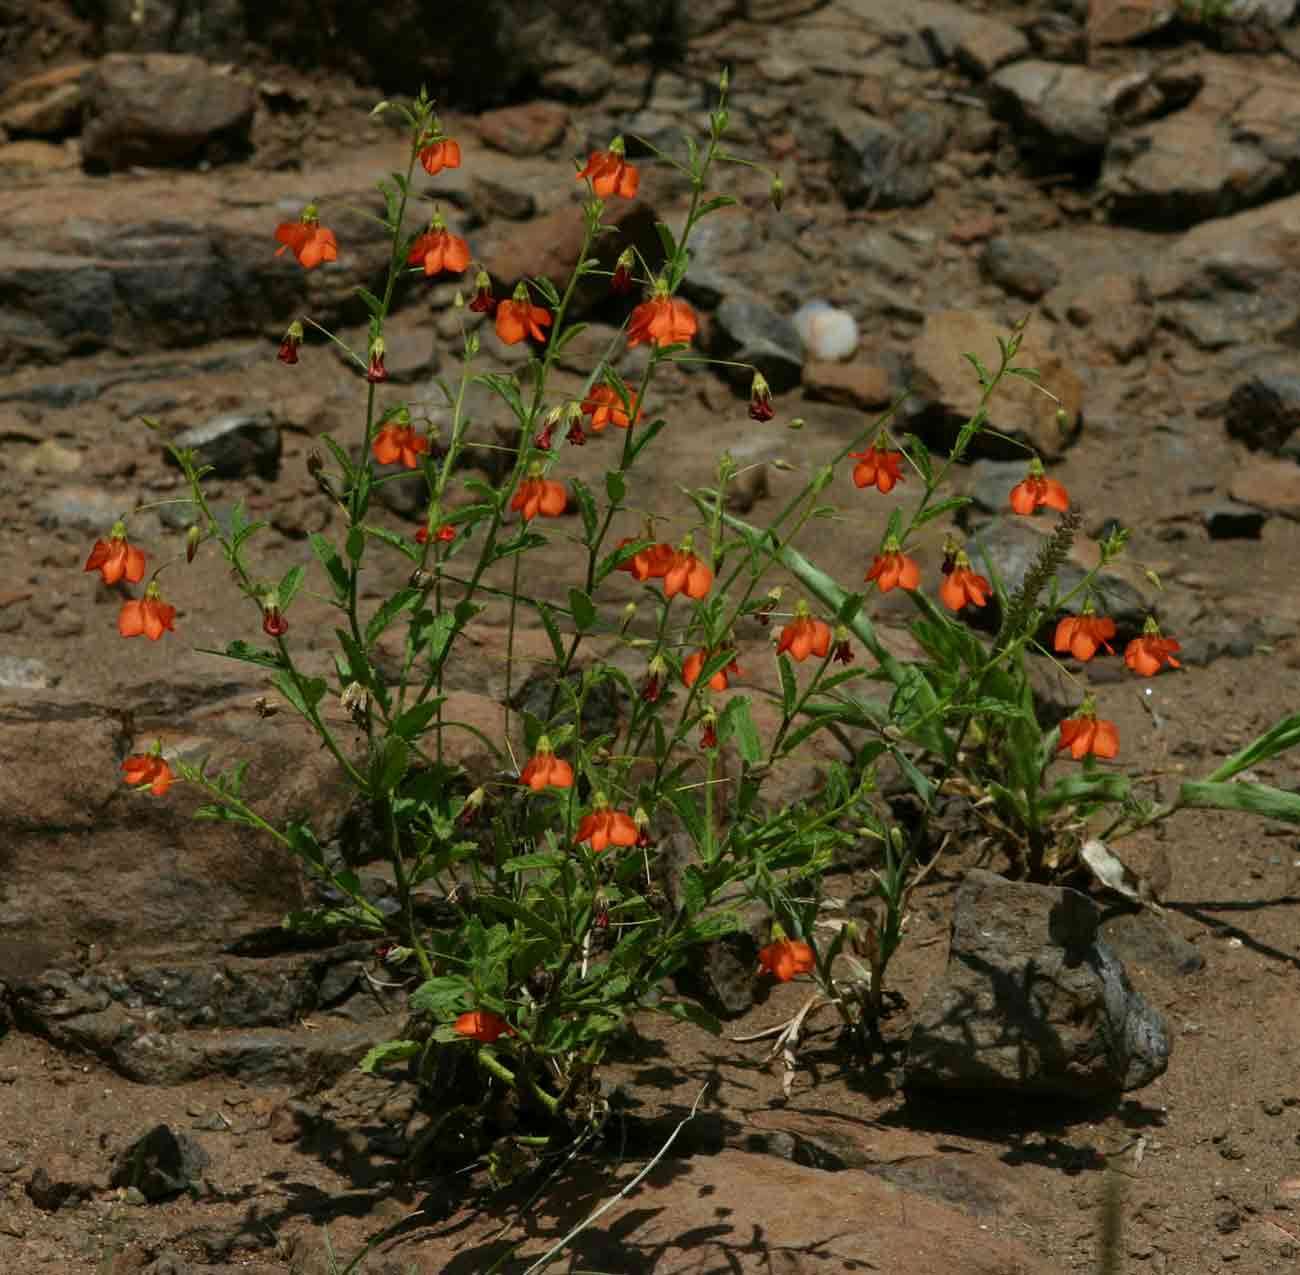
528,129
848,384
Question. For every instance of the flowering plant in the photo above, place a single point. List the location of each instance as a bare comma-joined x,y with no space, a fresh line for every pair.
536,910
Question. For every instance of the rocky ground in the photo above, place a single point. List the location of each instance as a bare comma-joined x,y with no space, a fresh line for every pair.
1128,177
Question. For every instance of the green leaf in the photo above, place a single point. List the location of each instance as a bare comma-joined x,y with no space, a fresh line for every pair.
355,546
391,538
584,610
402,600
643,438
548,290
443,997
920,455
849,608
527,862
552,630
239,650
1253,799
615,486
305,699
1278,738
1088,786
736,720
390,764
373,303
688,1012
666,238
789,687
412,723
695,891
333,564
939,509
390,1051
290,583
341,457
712,205
587,507
525,916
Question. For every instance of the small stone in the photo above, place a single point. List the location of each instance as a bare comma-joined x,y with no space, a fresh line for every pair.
529,129
862,385
21,674
1228,520
235,444
49,457
1018,268
988,45
1272,485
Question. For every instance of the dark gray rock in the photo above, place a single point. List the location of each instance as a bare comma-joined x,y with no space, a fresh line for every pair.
1065,110
1264,410
161,108
878,165
1229,520
1144,940
214,28
1018,268
235,444
160,1164
747,331
1033,1001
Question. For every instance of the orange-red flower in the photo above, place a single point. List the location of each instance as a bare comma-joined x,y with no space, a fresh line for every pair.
148,768
538,495
610,173
1081,635
605,407
518,318
894,569
481,1025
687,574
307,239
877,467
545,769
397,442
440,155
1035,489
605,827
149,615
438,250
1088,733
805,636
116,559
1146,655
663,320
787,957
693,665
650,563
961,586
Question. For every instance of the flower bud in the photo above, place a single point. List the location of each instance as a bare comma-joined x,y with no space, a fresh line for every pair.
796,422
777,192
193,537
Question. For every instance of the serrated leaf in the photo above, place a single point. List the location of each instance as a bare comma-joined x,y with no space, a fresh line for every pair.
402,600
443,997
355,546
400,543
666,238
586,507
372,302
552,630
333,564
390,764
390,1051
687,1011
736,719
525,916
413,722
290,583
615,486
584,610
304,699
548,290
239,650
937,510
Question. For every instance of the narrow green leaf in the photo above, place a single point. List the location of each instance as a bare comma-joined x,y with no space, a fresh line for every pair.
305,699
390,764
333,564
1278,738
687,1011
411,723
737,720
239,650
402,600
552,630
1254,799
290,583
615,486
355,546
390,1051
538,924
584,610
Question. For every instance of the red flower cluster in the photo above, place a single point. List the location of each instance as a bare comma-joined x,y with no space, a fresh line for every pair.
787,957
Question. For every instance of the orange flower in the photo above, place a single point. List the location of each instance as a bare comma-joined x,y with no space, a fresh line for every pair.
605,407
877,468
611,174
545,769
440,155
961,586
537,495
148,768
1081,635
518,318
663,320
694,664
439,250
805,636
1035,490
604,827
398,442
893,569
307,239
1087,733
482,1025
687,574
149,615
787,957
1147,654
650,563
115,559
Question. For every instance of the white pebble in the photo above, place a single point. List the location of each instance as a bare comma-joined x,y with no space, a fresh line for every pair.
828,334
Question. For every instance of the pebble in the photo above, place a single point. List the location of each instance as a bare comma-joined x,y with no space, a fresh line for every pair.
828,334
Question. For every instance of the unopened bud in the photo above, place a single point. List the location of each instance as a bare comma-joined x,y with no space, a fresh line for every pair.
192,539
420,579
795,422
777,192
1062,418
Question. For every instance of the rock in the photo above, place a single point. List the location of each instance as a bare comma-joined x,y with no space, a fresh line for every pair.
235,444
1186,168
164,108
1066,110
44,105
490,199
1271,485
292,1121
828,334
24,674
1111,23
877,165
214,28
1113,308
946,391
58,1180
1264,410
1017,268
989,45
584,81
1033,1001
1228,520
884,254
160,1164
37,159
863,385
79,508
750,332
528,129
1142,939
